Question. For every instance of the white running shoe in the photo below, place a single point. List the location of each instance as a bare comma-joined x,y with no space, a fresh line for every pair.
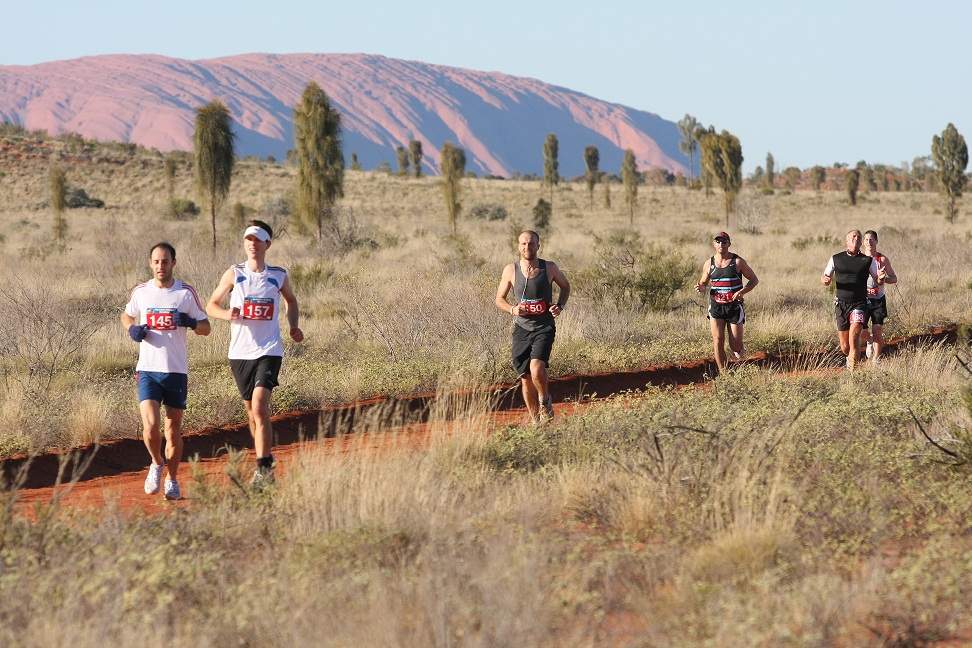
171,490
868,350
153,478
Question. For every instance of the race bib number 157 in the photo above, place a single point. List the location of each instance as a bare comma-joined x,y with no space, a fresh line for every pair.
258,308
160,319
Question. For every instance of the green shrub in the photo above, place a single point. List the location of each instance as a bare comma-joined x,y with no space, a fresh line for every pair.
629,272
541,215
804,242
489,211
182,209
767,191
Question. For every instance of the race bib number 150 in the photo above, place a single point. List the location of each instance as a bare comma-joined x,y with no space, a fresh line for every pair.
534,306
258,308
160,319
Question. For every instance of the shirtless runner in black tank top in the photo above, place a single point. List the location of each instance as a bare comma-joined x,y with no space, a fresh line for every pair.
531,278
723,273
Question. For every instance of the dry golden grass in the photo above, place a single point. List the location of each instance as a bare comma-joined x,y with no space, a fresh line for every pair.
409,306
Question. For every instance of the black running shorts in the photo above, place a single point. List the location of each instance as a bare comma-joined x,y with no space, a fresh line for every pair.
732,312
846,313
250,374
876,311
531,345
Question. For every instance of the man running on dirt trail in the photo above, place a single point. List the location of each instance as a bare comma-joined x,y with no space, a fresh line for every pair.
531,279
852,269
877,306
723,272
156,317
256,346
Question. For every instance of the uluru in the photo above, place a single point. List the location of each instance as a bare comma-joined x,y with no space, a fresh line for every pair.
499,119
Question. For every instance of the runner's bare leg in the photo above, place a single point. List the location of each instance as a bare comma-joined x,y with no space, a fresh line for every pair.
718,328
258,413
149,409
538,374
173,440
736,339
530,396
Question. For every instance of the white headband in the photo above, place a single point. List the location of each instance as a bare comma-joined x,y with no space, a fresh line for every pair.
259,232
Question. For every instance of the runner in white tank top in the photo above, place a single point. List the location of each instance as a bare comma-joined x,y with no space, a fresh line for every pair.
256,347
156,317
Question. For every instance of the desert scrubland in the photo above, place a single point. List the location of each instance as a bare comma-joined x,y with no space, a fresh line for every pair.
764,509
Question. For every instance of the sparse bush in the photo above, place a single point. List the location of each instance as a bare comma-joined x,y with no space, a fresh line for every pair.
629,272
182,209
76,198
542,212
489,211
803,242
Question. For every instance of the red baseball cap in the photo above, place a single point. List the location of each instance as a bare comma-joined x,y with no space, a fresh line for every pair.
722,235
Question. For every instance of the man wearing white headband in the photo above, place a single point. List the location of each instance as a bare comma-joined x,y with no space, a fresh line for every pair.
256,347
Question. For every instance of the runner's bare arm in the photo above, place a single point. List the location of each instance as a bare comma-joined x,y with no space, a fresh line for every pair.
505,285
889,275
202,327
127,320
557,277
214,308
751,278
293,310
704,277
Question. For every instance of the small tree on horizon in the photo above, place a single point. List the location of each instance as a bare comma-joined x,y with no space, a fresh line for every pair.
770,171
57,187
606,181
401,153
415,153
453,169
551,165
818,175
355,164
213,157
688,127
853,182
592,160
722,155
169,168
951,156
629,176
320,160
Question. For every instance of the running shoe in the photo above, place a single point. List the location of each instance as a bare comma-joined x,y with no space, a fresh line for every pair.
868,350
153,478
262,477
546,409
171,490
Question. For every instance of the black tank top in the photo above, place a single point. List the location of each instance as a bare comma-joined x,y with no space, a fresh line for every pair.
724,282
536,293
850,275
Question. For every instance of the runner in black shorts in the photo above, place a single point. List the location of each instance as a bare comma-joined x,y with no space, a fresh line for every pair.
877,306
723,272
852,269
531,279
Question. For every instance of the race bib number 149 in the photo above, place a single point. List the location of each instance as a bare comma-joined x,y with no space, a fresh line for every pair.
258,308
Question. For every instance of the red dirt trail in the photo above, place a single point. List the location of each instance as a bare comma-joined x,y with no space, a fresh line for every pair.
117,469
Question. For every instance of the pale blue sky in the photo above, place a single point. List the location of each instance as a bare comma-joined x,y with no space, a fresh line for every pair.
815,83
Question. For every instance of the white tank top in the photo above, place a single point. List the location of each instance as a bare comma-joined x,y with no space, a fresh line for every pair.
257,296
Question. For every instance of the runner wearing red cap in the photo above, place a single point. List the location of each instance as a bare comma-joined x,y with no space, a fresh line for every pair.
876,305
852,269
723,272
256,348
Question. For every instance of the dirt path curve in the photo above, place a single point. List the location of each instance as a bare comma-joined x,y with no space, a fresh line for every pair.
115,471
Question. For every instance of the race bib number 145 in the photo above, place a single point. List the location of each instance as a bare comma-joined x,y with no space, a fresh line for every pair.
258,308
160,319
